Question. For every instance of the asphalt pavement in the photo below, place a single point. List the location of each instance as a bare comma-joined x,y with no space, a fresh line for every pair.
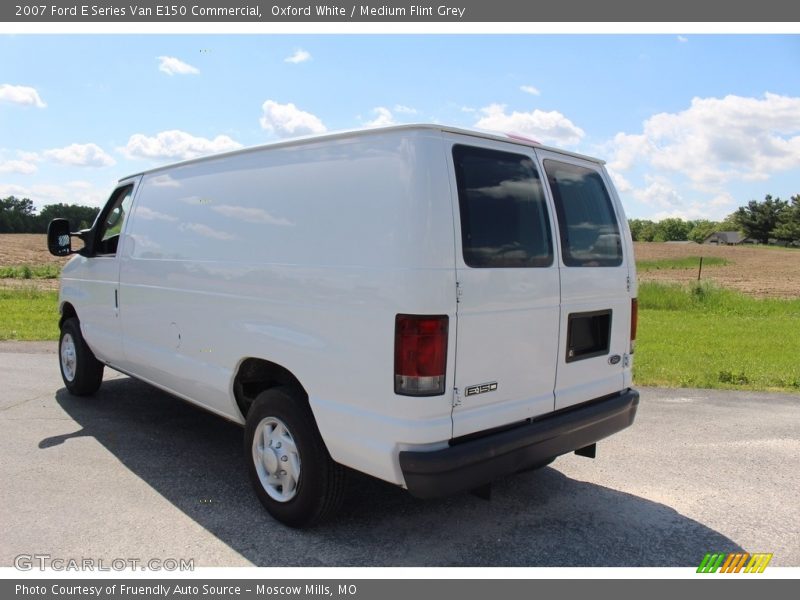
135,473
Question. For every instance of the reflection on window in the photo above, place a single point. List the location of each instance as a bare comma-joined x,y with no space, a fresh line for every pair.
114,219
589,231
504,220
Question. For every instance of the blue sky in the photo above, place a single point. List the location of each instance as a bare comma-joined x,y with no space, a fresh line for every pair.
691,126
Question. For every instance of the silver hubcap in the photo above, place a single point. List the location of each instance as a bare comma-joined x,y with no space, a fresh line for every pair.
276,459
68,359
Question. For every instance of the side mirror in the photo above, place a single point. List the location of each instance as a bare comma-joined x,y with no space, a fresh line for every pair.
58,238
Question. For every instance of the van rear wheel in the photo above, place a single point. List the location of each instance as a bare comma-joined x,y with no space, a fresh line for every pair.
293,475
81,371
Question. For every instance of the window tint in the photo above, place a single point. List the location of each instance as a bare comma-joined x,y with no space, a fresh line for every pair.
589,231
504,219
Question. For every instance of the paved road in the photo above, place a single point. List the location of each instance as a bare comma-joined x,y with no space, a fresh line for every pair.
134,473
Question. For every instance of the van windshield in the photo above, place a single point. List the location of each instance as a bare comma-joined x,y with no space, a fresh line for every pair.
589,231
504,220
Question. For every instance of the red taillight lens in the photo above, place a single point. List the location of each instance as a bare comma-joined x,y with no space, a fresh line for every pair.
634,321
420,354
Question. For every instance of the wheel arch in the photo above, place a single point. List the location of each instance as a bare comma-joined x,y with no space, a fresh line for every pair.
255,375
67,312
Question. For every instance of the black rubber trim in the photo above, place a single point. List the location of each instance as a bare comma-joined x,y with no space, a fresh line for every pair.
471,464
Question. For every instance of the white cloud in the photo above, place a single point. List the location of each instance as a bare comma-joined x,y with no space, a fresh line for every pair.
17,166
667,202
80,155
173,66
21,94
383,117
468,109
627,149
175,145
622,184
299,56
529,89
723,199
403,109
549,127
24,163
660,194
717,140
286,120
683,39
690,212
72,192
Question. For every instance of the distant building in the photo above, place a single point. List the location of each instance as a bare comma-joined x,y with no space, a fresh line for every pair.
728,238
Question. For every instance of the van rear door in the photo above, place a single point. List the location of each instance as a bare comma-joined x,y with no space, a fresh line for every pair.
595,286
508,302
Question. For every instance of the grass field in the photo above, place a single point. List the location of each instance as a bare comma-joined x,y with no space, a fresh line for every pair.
28,314
739,329
708,337
682,262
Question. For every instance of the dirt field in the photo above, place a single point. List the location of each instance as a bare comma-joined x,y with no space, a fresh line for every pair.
18,249
757,271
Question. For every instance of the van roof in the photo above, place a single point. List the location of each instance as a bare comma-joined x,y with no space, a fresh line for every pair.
511,138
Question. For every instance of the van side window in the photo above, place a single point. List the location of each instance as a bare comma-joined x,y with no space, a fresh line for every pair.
504,219
589,231
111,221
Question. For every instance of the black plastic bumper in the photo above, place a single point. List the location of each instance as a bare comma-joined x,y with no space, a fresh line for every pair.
470,464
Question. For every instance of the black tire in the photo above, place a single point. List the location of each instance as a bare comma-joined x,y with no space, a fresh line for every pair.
85,375
320,485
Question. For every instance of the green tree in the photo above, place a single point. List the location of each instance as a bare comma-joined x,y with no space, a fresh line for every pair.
16,215
788,228
79,217
729,223
672,230
703,228
758,219
642,230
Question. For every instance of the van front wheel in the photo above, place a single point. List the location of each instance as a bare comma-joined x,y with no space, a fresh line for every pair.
294,476
81,371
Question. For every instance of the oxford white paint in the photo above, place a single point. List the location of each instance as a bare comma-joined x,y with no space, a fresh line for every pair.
302,253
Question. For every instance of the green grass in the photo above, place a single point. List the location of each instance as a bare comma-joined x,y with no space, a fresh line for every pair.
708,337
30,272
689,336
687,262
28,314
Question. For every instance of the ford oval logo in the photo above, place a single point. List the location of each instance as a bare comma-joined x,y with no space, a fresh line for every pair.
613,360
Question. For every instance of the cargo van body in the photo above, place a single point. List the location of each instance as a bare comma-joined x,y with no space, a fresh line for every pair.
446,305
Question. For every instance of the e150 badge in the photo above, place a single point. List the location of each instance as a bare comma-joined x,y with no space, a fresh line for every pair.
481,388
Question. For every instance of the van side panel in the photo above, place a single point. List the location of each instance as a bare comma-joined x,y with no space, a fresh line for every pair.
301,255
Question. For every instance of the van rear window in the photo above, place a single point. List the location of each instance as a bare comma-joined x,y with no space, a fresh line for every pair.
504,219
589,231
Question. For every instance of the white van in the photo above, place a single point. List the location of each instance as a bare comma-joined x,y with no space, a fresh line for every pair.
431,306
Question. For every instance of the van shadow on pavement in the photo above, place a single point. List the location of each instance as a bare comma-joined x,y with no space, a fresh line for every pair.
543,518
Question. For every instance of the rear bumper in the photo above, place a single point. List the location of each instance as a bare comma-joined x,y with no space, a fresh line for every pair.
470,464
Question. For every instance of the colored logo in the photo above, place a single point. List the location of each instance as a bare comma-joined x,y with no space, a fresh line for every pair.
734,562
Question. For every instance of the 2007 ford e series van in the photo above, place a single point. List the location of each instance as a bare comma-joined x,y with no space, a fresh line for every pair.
431,306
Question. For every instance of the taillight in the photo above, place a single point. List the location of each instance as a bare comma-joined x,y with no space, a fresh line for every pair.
634,322
420,354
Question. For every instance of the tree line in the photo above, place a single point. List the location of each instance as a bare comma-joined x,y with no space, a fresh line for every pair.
17,215
773,220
